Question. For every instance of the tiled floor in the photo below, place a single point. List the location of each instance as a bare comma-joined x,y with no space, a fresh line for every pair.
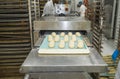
108,47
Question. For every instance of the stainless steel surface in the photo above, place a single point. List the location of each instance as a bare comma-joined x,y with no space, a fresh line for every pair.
72,63
39,42
110,7
62,23
27,76
59,75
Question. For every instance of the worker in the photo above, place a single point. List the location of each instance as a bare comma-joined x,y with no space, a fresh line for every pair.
48,8
83,8
116,54
85,2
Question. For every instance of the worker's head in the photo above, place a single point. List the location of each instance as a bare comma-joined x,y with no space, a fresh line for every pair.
79,4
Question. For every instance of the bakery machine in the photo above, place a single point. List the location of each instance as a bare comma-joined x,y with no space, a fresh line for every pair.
62,66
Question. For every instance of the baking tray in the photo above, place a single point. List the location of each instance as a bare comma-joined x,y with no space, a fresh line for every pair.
45,50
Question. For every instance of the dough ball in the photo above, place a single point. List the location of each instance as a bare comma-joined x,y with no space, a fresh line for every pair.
71,41
50,38
71,44
62,44
57,38
74,38
51,44
53,34
69,33
78,34
80,44
62,34
66,38
79,41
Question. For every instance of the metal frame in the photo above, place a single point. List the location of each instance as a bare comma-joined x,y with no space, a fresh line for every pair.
33,6
117,33
97,25
30,22
51,24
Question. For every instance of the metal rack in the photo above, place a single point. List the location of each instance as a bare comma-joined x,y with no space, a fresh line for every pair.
15,42
34,14
42,3
117,34
16,20
97,25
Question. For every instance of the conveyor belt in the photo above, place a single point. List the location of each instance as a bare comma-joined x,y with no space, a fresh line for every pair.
15,42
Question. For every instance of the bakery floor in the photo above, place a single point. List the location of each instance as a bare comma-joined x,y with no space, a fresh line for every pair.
108,46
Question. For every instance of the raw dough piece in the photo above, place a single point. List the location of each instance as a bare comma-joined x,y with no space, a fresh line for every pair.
80,44
78,34
66,38
62,34
69,33
51,44
74,38
53,34
79,41
50,38
71,44
57,38
62,44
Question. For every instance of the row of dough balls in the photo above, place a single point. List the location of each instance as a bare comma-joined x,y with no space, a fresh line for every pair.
71,44
63,34
57,38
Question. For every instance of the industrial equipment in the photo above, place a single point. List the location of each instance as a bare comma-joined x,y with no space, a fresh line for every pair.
62,63
47,66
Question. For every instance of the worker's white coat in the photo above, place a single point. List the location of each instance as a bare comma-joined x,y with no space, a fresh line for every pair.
48,8
82,10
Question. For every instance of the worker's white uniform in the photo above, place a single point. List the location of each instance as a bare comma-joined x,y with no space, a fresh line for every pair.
48,8
82,10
